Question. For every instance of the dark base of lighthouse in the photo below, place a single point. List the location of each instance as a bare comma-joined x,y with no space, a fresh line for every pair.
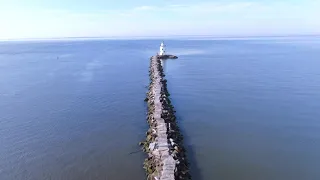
167,56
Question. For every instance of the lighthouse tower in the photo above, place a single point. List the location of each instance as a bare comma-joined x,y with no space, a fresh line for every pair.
162,49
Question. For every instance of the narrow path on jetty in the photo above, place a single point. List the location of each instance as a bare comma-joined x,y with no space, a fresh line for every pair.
166,154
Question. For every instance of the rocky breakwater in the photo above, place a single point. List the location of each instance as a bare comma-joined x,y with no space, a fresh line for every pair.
166,155
167,56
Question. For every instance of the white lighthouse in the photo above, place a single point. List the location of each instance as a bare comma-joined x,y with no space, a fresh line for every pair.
162,49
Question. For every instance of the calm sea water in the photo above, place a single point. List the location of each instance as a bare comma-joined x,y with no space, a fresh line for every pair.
74,110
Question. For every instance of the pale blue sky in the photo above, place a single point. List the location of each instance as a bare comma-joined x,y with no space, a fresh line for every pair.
125,18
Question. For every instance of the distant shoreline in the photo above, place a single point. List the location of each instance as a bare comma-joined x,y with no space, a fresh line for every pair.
182,37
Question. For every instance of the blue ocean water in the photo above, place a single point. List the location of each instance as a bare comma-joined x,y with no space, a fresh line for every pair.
248,108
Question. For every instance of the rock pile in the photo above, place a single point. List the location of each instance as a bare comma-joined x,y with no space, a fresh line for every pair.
166,155
167,56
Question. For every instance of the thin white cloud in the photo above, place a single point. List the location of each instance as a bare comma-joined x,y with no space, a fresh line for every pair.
144,8
199,7
211,7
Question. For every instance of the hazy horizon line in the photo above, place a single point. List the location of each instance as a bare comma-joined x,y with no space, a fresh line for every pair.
156,37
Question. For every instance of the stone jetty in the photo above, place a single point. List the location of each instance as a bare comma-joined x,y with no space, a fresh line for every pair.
167,56
166,156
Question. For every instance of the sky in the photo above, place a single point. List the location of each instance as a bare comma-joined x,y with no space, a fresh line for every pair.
21,19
